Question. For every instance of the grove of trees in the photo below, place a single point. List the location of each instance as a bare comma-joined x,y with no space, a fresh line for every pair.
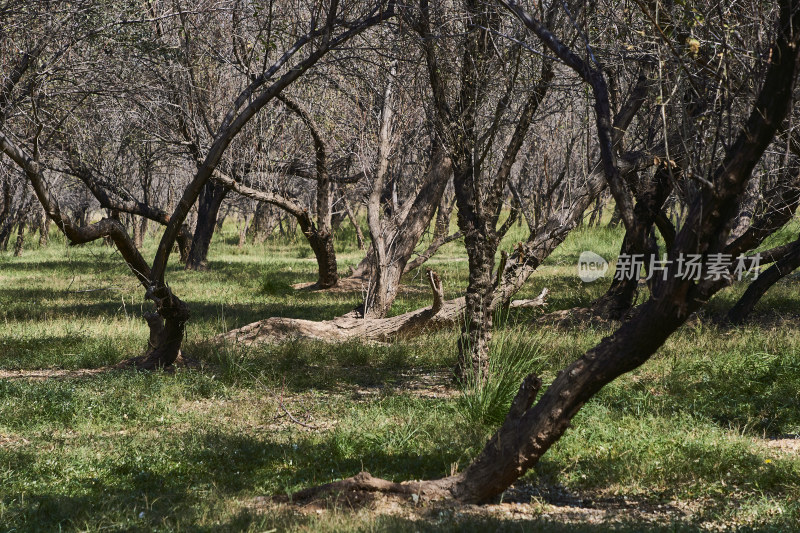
124,119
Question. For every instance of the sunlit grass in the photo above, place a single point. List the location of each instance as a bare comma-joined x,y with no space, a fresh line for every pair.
126,451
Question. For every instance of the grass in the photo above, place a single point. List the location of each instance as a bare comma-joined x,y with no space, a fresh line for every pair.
128,451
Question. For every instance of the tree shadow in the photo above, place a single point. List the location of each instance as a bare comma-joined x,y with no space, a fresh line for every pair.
170,482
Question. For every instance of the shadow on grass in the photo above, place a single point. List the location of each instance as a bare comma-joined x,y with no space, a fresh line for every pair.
236,314
171,481
183,481
65,267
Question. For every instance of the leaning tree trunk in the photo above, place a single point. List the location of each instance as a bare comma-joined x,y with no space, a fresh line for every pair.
528,432
758,287
208,208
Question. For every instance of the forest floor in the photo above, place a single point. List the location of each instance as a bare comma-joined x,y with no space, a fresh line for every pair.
702,437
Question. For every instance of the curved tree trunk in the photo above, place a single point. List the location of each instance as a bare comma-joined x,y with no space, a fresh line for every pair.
756,290
167,328
325,253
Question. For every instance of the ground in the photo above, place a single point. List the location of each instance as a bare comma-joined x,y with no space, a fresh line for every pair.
702,437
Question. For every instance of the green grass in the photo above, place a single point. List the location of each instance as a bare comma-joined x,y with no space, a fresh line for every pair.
128,451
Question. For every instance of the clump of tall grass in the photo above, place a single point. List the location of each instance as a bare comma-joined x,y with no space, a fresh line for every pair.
513,355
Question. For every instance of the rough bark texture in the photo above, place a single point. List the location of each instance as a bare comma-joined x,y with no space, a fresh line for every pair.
208,206
167,328
44,231
619,297
478,212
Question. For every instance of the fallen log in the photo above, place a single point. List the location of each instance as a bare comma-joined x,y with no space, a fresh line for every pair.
441,314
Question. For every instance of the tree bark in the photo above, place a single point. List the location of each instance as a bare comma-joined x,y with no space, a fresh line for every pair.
619,297
20,239
44,230
208,206
442,314
376,301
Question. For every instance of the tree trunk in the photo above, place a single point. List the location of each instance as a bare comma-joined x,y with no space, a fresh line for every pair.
207,211
327,268
756,290
354,222
263,223
44,231
243,230
620,296
139,230
20,239
167,328
481,243
442,314
404,231
5,234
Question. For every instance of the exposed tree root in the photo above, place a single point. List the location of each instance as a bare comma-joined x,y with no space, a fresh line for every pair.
442,314
539,301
